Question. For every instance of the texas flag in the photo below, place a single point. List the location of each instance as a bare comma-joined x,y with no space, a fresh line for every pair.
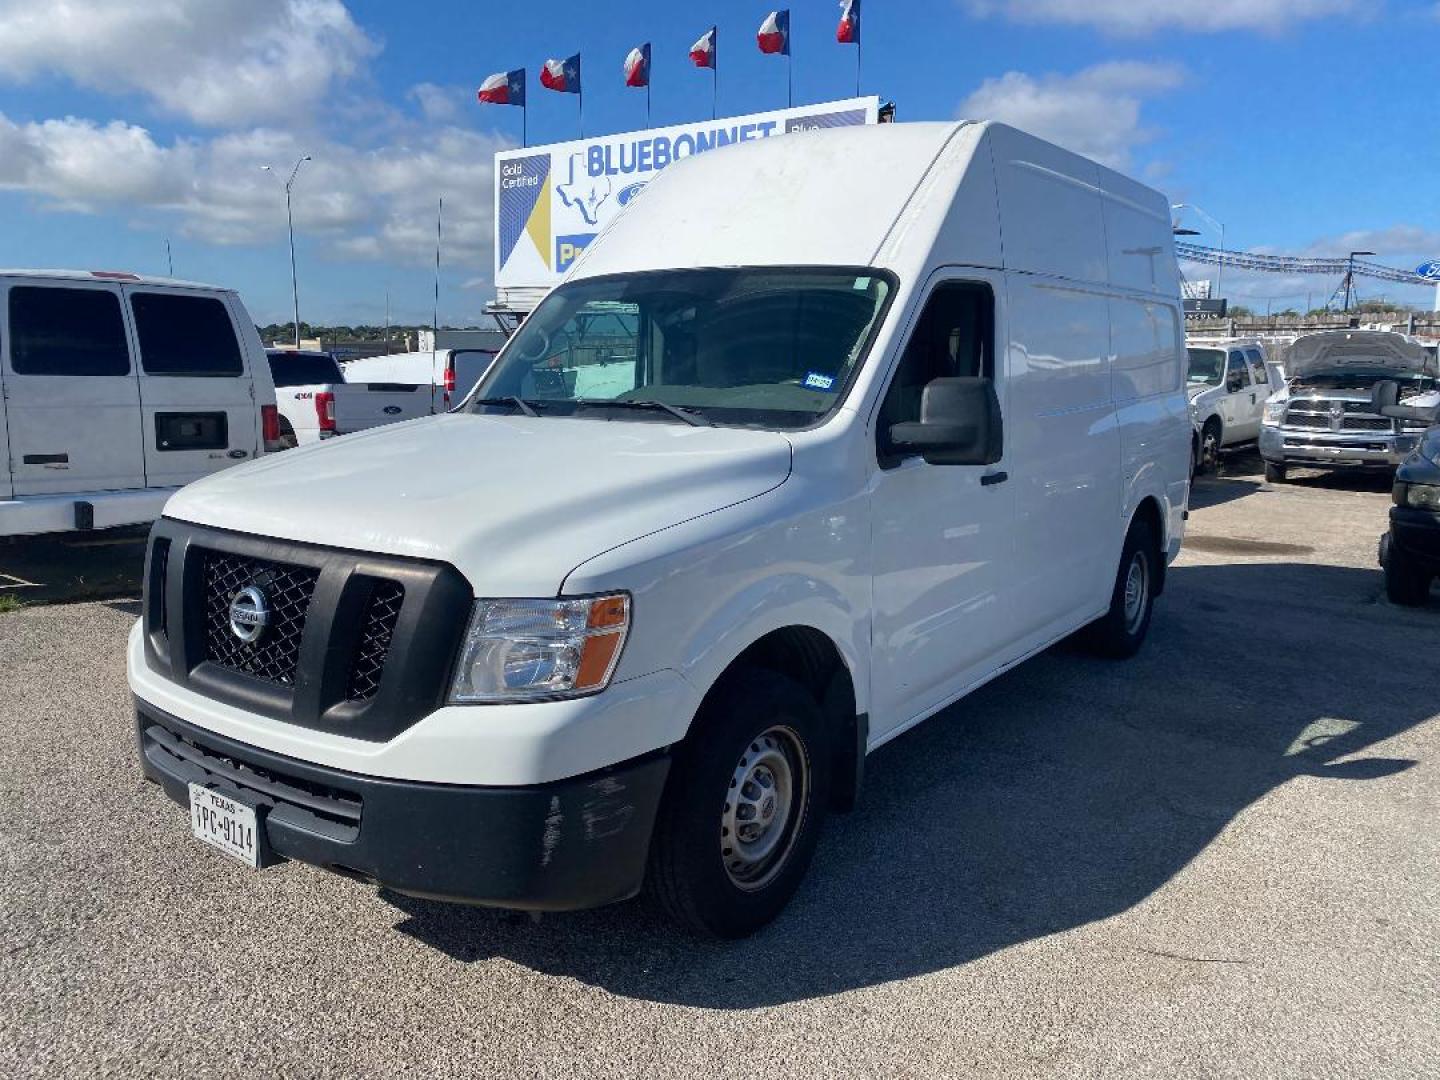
562,76
702,53
503,88
848,33
637,66
774,35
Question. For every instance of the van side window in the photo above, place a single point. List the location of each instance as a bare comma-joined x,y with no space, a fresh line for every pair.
75,332
954,337
185,335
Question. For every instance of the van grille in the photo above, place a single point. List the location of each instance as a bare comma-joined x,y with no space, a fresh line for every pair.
381,615
287,589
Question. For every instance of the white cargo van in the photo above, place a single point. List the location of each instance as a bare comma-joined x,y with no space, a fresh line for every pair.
821,434
450,374
115,390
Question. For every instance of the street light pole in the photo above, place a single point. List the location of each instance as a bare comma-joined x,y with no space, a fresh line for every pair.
1220,273
290,225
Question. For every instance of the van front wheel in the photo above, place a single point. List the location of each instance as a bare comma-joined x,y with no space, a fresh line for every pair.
743,806
1121,631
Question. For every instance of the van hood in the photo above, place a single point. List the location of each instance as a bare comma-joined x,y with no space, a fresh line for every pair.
1357,350
513,502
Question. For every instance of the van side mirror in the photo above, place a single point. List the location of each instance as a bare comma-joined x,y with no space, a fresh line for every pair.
959,424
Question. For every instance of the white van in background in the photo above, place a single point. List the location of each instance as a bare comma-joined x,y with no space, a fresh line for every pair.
117,389
734,507
317,402
449,373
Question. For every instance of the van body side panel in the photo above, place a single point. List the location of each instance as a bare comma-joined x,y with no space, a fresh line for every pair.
1060,433
1050,208
1147,377
73,403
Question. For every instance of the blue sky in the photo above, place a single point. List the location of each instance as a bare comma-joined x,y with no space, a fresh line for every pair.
1304,125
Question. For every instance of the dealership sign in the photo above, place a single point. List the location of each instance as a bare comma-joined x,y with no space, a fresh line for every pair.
551,201
1429,270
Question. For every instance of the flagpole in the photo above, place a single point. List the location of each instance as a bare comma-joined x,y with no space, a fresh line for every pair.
857,67
714,77
525,125
789,65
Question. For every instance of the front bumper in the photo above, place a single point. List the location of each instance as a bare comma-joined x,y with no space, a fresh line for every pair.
575,843
1331,450
1417,533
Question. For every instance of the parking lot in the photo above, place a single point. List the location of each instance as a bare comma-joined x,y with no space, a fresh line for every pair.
1217,859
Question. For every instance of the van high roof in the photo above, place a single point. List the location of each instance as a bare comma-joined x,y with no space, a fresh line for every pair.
906,197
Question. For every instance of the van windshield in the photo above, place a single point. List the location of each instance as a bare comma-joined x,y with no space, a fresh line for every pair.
751,347
1207,366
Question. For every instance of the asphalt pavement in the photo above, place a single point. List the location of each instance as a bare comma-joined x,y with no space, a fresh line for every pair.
1218,859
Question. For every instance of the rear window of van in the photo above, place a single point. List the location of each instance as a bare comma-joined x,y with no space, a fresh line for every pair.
185,335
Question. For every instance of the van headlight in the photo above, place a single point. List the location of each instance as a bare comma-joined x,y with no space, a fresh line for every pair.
1422,497
524,650
1274,412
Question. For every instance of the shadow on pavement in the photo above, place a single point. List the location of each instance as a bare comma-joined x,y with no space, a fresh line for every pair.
68,567
1063,793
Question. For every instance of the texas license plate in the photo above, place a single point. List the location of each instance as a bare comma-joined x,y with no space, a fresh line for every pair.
223,823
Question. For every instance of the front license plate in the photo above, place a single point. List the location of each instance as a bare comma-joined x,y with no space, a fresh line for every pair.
223,823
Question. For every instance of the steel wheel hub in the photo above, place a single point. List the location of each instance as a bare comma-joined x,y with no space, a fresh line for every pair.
763,808
1137,590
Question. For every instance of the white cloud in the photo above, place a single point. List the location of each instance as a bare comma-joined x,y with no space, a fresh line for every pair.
1147,16
438,104
1393,242
216,62
368,203
1095,112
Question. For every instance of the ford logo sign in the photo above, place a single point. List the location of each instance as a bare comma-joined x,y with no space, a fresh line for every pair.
628,193
392,410
249,614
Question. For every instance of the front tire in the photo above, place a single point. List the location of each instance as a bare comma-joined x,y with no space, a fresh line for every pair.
1121,631
743,806
1209,455
1406,582
1274,474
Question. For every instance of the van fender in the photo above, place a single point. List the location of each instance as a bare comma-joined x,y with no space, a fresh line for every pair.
772,603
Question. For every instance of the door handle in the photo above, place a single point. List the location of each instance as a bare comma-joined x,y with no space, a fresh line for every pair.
991,479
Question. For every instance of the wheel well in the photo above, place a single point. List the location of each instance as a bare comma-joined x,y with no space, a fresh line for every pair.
809,657
1149,511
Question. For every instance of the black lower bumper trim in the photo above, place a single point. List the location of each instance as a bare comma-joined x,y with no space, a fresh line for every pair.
1417,533
575,843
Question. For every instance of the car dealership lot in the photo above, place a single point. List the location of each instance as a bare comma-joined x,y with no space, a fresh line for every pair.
1216,859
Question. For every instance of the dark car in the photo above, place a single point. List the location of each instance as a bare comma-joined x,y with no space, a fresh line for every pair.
1410,551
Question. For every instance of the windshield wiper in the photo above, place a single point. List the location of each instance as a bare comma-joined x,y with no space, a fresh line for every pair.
514,402
689,416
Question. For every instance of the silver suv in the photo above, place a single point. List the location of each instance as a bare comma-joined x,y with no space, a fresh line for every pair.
1323,417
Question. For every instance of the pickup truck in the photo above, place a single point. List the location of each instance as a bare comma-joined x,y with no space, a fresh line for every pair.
317,403
1323,417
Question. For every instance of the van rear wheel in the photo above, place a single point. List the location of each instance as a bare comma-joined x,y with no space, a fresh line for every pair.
743,806
1121,631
